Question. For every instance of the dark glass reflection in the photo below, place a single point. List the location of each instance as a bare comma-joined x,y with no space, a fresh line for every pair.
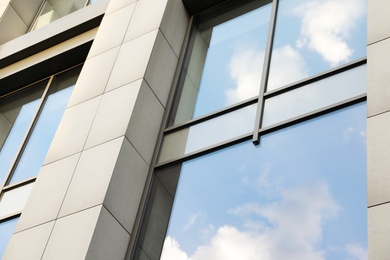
314,36
16,114
225,65
6,230
45,129
301,194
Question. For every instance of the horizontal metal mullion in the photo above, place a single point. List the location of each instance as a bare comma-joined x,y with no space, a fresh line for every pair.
316,78
19,184
313,114
263,131
10,216
204,151
211,115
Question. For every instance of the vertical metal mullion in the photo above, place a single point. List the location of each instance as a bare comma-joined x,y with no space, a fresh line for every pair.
27,135
264,78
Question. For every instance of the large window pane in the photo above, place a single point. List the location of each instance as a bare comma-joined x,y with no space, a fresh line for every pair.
315,35
6,230
16,114
225,65
13,201
40,140
208,133
315,96
301,194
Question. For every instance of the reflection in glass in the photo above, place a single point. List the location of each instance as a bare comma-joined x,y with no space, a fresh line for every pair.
43,133
55,9
314,36
16,115
301,194
225,65
14,200
314,96
208,133
6,230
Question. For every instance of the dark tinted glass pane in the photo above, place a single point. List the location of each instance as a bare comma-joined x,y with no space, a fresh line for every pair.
314,36
301,194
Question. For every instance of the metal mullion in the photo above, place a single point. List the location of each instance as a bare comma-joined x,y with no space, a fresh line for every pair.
212,115
313,114
264,78
204,151
27,135
315,78
36,16
19,184
10,216
263,131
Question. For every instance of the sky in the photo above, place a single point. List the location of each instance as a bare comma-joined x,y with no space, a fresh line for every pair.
301,194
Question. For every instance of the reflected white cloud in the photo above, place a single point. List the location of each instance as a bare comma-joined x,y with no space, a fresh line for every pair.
287,66
290,228
245,69
172,250
357,251
327,25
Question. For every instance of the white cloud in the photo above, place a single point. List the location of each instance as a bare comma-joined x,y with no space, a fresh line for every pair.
327,25
290,228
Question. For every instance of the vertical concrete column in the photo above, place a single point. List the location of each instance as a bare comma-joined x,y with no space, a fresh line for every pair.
378,129
87,195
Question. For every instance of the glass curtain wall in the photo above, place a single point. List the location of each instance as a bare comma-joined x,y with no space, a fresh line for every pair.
263,153
29,119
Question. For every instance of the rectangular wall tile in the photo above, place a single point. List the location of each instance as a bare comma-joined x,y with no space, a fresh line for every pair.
34,241
126,186
53,179
73,130
114,114
72,235
132,61
93,77
91,178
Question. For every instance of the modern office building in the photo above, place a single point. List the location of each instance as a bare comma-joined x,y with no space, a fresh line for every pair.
194,129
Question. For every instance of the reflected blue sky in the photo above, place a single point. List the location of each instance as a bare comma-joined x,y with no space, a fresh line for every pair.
40,140
6,230
232,70
312,36
301,194
16,135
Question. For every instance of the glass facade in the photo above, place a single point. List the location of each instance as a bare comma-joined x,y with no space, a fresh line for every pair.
291,77
29,119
